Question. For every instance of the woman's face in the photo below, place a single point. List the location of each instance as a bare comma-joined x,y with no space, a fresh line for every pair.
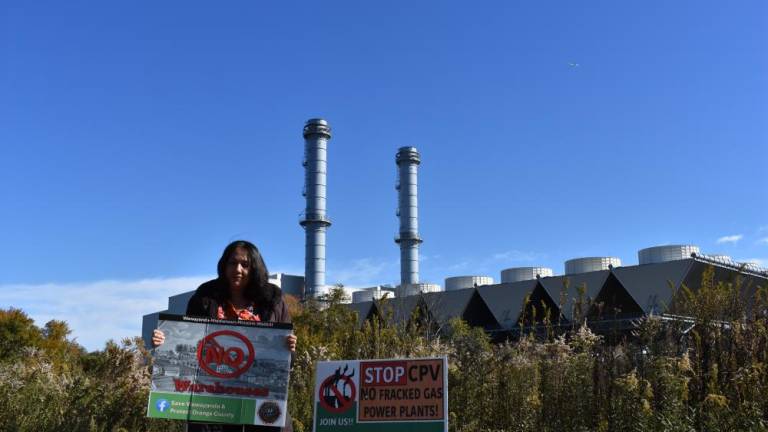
237,270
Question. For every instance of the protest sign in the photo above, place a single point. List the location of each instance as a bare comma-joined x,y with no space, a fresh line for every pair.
221,371
408,395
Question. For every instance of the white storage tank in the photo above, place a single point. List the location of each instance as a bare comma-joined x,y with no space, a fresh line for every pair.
417,288
461,282
517,274
590,264
659,254
373,293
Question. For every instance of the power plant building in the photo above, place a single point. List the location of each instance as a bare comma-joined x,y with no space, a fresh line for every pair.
608,299
597,289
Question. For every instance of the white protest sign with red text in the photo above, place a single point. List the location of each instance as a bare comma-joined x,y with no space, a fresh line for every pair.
382,395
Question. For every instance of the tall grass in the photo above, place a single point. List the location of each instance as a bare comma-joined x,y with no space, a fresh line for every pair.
706,372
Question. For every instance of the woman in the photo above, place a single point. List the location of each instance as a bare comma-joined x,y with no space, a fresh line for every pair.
241,292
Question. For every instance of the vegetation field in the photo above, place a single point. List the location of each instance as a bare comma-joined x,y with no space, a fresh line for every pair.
705,373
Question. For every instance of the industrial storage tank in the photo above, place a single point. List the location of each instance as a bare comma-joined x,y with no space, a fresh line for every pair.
373,293
518,274
659,254
589,264
461,282
417,288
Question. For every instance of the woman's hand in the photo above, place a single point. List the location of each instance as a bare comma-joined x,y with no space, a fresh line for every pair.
158,337
290,340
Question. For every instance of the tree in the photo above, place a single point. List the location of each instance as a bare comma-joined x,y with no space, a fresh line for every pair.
17,332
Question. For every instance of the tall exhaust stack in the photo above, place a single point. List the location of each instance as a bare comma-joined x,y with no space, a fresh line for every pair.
408,161
317,132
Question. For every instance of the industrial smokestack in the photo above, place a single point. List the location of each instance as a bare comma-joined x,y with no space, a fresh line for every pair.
408,161
317,132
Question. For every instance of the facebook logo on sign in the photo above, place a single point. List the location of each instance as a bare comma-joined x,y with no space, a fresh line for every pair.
162,405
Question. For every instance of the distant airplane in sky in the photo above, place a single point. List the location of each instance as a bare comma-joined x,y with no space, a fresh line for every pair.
573,65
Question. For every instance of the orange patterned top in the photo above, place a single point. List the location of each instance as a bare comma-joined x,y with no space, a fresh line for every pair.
229,312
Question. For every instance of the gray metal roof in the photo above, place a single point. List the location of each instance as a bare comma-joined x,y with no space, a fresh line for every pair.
441,306
723,273
592,281
402,307
649,284
749,281
653,286
362,309
506,300
445,305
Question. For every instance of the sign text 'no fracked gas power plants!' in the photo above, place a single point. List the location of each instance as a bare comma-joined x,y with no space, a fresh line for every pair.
404,395
221,371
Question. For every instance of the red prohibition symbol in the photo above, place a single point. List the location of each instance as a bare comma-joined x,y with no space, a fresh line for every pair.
333,399
213,353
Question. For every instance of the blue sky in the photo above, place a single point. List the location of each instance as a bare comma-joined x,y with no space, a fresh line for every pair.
137,139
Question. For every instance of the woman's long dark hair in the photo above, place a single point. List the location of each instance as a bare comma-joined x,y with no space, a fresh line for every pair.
259,290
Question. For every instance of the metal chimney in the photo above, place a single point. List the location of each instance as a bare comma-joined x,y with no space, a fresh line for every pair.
408,161
317,132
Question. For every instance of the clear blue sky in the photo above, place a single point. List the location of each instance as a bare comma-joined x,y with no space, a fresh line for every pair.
138,138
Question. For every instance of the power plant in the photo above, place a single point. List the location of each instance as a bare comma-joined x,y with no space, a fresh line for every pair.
591,287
